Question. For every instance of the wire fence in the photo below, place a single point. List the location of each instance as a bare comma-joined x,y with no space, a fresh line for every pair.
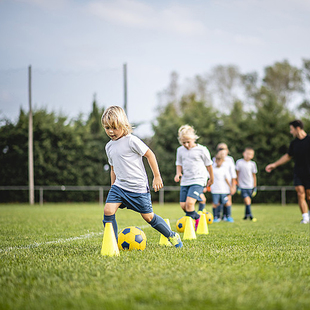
102,189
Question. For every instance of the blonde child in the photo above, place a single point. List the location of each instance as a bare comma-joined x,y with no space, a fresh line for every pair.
246,179
129,183
219,188
193,163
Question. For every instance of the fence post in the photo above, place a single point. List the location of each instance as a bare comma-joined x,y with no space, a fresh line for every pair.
283,196
161,196
100,196
41,196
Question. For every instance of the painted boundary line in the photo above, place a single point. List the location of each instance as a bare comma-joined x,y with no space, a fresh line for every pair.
37,244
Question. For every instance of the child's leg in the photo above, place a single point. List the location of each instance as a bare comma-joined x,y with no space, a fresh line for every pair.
109,216
214,206
158,223
190,208
247,202
202,203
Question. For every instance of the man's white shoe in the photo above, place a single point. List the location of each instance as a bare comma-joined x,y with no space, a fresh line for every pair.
304,222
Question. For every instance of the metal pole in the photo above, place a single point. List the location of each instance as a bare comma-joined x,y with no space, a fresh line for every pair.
161,196
41,196
30,144
125,88
100,196
283,196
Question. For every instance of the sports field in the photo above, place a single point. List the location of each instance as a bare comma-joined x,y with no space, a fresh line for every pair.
50,259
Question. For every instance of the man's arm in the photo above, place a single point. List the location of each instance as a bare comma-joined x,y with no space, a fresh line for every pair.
281,161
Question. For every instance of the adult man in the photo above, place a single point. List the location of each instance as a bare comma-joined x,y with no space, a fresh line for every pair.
299,150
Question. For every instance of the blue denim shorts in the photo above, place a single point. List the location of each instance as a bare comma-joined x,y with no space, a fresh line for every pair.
219,198
246,192
192,191
139,202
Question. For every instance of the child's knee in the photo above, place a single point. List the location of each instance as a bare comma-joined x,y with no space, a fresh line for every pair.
148,217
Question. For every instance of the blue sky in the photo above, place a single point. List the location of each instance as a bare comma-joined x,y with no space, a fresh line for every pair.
78,48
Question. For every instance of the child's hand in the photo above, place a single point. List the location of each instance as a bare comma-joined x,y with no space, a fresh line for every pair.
177,178
254,192
157,183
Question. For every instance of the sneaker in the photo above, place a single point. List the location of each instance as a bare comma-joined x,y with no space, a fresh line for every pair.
176,240
253,219
230,219
224,219
304,222
216,220
246,217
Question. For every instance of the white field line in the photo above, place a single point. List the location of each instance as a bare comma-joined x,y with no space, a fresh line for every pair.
36,244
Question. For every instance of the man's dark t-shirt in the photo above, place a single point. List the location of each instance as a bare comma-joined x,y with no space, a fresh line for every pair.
300,151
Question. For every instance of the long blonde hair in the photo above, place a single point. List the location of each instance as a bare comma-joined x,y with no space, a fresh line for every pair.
115,117
187,131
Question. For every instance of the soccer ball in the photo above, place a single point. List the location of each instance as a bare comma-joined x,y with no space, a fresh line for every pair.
181,224
131,238
209,217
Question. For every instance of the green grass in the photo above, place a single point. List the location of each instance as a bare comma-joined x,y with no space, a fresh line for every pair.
241,265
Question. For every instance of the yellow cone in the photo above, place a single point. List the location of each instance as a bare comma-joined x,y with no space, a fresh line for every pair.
109,244
163,240
189,231
202,228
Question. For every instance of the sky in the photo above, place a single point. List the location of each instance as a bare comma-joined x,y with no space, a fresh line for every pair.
77,49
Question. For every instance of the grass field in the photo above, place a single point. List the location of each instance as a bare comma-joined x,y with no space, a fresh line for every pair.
50,259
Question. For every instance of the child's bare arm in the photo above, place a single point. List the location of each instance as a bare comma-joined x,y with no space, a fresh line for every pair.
211,179
157,181
255,181
178,174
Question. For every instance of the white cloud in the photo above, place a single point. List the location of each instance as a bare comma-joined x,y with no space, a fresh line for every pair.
131,13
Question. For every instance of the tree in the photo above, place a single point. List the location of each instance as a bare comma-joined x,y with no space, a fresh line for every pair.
283,80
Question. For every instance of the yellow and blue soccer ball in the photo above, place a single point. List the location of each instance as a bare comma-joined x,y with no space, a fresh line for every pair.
180,225
209,217
131,238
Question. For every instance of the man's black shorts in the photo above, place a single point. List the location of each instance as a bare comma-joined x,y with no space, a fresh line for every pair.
304,181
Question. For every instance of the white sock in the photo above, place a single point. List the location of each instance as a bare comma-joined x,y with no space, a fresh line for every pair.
305,216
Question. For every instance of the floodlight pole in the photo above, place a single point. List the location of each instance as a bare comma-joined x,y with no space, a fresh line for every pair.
125,87
30,144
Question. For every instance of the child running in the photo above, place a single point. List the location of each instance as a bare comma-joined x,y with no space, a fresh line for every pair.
129,182
219,188
246,179
193,163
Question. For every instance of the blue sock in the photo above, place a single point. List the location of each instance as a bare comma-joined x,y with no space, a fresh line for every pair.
228,211
214,212
193,214
111,219
248,210
160,225
201,206
219,211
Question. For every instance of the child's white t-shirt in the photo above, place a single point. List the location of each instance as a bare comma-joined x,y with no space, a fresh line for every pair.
246,170
125,155
229,165
193,162
220,175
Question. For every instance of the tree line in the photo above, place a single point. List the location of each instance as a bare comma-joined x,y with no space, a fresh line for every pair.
223,105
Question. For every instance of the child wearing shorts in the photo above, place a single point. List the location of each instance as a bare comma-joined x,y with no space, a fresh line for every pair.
246,178
129,182
219,188
193,163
